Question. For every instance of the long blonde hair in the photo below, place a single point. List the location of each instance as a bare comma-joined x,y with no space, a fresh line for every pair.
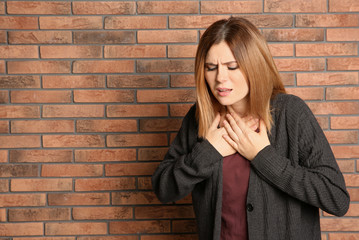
251,52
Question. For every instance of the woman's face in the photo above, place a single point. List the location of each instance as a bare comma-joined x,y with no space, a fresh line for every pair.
225,79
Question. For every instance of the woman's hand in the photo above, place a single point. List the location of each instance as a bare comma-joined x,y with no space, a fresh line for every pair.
215,137
243,138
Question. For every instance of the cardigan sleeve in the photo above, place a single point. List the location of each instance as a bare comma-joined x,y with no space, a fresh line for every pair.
316,178
188,161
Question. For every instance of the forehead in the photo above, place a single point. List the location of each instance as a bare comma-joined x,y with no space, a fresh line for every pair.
220,53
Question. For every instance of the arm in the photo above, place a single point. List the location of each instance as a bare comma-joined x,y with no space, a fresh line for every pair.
316,179
188,161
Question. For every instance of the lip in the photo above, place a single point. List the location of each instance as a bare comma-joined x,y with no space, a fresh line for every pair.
223,91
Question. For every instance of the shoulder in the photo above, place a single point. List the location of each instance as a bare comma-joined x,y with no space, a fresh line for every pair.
290,104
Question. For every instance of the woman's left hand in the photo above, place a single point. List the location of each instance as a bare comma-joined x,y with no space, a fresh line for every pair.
242,138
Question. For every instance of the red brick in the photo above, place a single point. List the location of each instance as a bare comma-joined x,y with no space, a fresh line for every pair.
70,22
342,93
76,228
323,121
179,110
64,111
106,125
346,166
128,227
137,81
185,80
343,236
144,183
136,22
17,170
71,51
281,50
350,151
42,126
21,229
39,214
40,96
136,51
167,36
3,36
224,7
96,213
182,95
184,226
107,66
161,212
129,237
94,96
3,216
156,66
38,67
300,64
19,112
326,49
343,34
40,37
4,96
73,81
334,107
104,37
138,110
130,169
342,137
19,52
133,140
20,82
105,155
195,21
347,122
41,185
343,6
354,194
134,198
7,22
4,187
71,170
339,224
22,200
17,141
103,8
46,238
343,64
160,125
170,237
4,128
293,6
167,7
73,141
287,78
107,184
37,7
151,154
293,35
307,93
327,20
2,8
82,199
337,78
40,156
182,51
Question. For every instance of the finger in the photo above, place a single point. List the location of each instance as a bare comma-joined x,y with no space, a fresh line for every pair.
216,121
231,133
230,141
240,124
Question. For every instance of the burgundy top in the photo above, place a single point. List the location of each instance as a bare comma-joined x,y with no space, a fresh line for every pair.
235,186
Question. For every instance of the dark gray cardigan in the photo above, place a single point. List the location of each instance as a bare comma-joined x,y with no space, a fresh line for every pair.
289,180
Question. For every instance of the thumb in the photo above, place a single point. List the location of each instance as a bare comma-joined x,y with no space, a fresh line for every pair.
216,121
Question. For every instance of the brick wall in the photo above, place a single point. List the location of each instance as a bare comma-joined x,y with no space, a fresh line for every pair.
93,92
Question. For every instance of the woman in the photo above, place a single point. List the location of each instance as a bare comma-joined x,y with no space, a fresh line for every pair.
256,161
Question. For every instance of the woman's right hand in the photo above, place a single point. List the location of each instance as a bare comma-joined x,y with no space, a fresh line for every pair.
215,137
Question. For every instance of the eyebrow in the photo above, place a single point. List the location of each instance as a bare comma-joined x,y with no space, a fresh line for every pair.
226,63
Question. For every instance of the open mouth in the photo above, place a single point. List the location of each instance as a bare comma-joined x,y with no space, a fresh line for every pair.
224,91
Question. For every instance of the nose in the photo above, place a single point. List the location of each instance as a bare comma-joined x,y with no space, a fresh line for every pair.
222,74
